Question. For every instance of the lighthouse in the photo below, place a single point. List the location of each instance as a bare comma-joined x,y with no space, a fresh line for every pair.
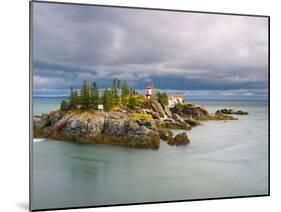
148,91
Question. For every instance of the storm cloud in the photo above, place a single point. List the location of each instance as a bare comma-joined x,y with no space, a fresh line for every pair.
173,50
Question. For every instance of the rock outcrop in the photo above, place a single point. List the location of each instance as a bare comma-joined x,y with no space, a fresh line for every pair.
188,110
107,128
154,115
180,139
231,111
167,111
193,113
192,122
172,124
140,128
166,135
216,117
156,107
163,117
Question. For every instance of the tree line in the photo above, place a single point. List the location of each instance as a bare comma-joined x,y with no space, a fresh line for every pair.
88,97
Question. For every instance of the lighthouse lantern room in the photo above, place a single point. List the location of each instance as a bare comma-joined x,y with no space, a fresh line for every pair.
148,91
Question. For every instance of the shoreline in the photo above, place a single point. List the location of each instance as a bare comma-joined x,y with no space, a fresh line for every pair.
136,129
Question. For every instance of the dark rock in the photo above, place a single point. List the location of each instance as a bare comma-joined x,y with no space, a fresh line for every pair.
167,111
108,128
84,125
181,122
239,112
152,113
165,134
231,111
145,123
116,126
54,116
159,123
187,110
40,122
164,118
180,139
172,124
155,105
192,122
216,117
178,119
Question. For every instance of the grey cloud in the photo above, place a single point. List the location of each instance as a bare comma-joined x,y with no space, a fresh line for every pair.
197,51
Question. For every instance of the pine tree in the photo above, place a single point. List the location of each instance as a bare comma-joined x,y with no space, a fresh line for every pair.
125,89
132,103
63,105
135,92
107,100
94,95
125,92
76,99
85,96
162,98
165,98
73,103
115,96
118,84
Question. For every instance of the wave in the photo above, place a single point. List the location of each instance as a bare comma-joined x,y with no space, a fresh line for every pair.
39,139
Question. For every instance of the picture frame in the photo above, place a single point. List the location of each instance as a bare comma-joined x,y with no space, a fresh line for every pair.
148,90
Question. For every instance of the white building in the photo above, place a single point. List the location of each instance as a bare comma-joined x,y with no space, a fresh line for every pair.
100,107
173,100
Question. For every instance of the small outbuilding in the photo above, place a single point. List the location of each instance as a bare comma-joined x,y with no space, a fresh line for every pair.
100,107
174,100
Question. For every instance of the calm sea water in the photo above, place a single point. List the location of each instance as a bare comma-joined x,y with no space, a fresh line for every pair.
224,159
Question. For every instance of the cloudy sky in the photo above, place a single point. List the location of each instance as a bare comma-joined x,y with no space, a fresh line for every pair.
199,55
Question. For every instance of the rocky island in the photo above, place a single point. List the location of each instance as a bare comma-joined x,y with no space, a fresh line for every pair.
128,119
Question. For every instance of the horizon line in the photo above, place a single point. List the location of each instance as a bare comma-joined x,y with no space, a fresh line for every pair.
191,98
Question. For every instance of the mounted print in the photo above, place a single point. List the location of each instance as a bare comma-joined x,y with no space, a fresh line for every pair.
138,105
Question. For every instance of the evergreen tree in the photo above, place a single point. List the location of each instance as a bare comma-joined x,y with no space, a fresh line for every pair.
135,92
76,99
125,89
125,92
107,100
73,101
132,103
118,84
94,95
89,97
162,98
165,98
115,96
63,105
115,84
85,96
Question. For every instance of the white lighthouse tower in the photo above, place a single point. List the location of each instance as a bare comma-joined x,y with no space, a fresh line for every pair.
148,91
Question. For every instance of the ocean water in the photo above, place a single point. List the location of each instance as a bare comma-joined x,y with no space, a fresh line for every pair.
224,159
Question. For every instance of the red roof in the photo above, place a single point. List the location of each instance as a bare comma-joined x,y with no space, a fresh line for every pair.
176,97
148,85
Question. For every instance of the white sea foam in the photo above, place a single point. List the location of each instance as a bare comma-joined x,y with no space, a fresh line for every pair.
39,139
